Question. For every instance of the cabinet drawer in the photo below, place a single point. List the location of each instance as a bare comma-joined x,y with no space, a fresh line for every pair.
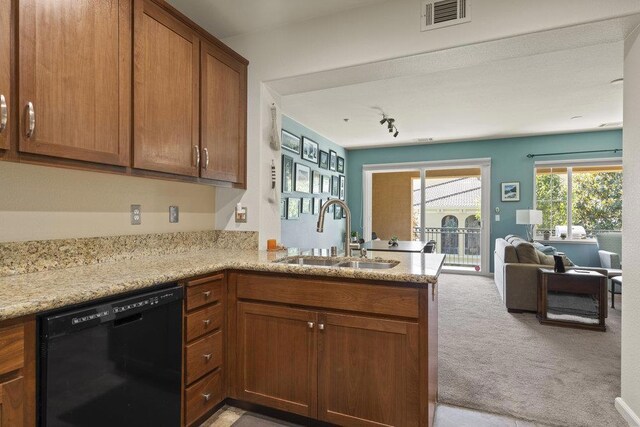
204,291
202,396
352,296
203,321
11,348
203,356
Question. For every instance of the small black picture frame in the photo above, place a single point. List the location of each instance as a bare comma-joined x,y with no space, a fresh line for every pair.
324,160
310,150
305,207
293,208
335,185
326,184
341,189
340,166
283,208
337,213
316,182
333,160
287,174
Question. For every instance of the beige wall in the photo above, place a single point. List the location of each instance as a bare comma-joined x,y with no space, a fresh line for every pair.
391,204
39,202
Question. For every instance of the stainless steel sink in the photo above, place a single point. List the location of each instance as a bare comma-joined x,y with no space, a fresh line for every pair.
312,261
377,265
318,262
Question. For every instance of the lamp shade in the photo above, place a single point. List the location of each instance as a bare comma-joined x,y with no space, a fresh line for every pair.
528,217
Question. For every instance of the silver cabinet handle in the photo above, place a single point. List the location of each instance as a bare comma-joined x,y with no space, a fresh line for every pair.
206,322
31,120
196,151
206,294
206,158
310,325
321,326
207,357
4,114
206,396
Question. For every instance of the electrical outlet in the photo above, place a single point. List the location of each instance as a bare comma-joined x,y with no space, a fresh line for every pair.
136,214
174,214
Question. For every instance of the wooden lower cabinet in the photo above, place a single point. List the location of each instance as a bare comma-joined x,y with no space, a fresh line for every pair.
277,357
12,403
344,369
368,371
17,373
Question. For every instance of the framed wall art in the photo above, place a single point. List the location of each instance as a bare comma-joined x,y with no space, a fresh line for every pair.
293,208
310,150
324,160
333,160
316,182
287,174
302,180
290,142
340,165
510,191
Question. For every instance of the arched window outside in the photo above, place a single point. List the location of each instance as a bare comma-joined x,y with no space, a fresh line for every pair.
449,235
472,235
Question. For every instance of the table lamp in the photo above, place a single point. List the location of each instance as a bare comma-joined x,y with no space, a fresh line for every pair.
529,218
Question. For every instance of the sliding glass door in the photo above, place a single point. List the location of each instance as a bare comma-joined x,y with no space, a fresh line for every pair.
442,203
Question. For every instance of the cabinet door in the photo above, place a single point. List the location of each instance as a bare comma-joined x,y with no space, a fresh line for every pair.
5,71
277,363
165,92
11,403
224,110
368,371
75,68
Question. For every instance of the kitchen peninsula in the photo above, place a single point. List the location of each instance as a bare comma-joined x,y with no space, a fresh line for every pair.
343,345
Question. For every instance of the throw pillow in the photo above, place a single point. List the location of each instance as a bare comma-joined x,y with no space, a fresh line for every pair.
548,250
527,254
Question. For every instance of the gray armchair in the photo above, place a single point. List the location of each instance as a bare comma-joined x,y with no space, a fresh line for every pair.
610,252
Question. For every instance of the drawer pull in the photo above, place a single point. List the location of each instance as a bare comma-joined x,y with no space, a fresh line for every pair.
206,294
206,396
3,113
321,326
207,357
206,322
310,325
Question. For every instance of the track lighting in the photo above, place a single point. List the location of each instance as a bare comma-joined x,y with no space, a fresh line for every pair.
391,127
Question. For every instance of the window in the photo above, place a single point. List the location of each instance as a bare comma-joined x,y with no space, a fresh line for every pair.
579,199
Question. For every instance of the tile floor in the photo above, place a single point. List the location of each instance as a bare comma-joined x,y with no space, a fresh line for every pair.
446,416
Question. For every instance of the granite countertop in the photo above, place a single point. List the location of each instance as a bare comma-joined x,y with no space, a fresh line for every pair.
24,294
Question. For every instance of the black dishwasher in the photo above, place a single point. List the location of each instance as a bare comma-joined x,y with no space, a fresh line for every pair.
116,362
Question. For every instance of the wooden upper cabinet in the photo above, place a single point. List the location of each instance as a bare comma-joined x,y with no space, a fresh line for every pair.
368,371
223,115
5,71
277,364
165,92
75,79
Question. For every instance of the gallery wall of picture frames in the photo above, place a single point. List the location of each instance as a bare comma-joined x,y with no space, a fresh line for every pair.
310,177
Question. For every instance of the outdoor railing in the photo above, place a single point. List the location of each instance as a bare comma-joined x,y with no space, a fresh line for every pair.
461,245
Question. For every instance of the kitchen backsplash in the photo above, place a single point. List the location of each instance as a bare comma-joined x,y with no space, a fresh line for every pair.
41,255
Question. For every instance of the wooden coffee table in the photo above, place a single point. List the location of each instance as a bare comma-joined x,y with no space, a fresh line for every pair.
576,299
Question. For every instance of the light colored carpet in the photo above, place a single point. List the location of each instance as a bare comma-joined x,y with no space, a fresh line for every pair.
510,364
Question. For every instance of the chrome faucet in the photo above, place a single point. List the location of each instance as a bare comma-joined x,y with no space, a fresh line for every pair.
343,205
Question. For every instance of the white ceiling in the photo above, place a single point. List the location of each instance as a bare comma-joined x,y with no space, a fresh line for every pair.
525,85
225,18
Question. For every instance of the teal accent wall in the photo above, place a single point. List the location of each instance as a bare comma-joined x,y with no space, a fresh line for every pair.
509,162
301,233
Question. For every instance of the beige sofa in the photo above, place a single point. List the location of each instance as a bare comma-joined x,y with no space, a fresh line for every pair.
516,264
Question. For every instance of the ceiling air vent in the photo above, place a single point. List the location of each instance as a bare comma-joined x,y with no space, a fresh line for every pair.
443,13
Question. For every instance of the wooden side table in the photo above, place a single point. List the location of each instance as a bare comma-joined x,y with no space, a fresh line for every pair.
570,294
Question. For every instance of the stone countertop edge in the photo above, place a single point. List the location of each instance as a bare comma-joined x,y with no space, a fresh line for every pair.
33,293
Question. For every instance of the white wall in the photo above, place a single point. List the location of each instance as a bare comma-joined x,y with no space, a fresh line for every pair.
363,35
629,405
40,203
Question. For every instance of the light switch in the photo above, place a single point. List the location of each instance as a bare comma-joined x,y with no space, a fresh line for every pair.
497,218
174,214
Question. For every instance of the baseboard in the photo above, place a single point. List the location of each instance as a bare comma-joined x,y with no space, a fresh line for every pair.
627,413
